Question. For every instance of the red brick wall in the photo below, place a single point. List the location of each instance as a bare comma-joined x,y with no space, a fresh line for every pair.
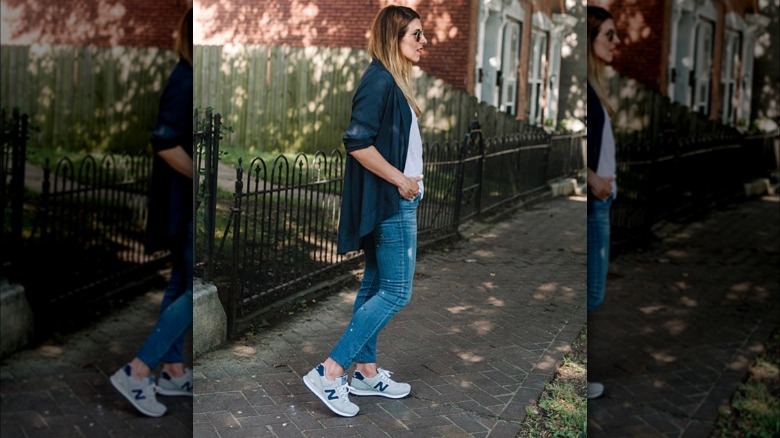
337,23
640,26
134,23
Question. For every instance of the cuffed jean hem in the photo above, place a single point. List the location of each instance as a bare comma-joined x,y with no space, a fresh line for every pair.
598,251
165,344
386,288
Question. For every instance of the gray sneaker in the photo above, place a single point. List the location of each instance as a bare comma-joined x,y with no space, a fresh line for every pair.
334,393
182,385
595,390
381,384
140,393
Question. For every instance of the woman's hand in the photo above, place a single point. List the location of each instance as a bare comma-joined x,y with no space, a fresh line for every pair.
601,187
372,160
410,186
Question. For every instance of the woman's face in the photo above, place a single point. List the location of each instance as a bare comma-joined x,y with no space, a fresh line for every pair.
605,44
412,43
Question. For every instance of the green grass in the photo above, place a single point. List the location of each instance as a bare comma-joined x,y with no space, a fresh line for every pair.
562,409
754,410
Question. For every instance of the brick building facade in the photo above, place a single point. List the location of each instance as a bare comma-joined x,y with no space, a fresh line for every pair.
128,23
455,30
699,53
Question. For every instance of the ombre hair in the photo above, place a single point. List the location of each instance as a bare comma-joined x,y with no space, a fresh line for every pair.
596,76
183,43
389,27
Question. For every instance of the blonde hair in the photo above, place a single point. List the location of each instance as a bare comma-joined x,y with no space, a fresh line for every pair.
596,76
183,43
386,32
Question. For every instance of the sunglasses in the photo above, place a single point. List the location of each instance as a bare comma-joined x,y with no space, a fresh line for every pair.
611,35
418,34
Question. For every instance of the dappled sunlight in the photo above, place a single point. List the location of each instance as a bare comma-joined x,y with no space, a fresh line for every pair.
51,350
688,302
455,330
347,297
470,357
489,285
677,253
243,351
675,327
739,363
682,285
455,310
482,327
663,357
496,302
547,363
649,310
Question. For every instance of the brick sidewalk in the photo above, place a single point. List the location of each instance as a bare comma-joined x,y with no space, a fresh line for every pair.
61,388
682,321
489,319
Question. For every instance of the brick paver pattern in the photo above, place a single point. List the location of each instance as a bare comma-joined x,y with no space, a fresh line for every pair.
61,388
490,318
682,321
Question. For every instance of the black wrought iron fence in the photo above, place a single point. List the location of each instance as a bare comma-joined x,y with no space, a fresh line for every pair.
675,177
81,224
278,233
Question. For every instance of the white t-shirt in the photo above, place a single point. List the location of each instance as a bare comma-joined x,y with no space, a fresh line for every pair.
414,156
607,166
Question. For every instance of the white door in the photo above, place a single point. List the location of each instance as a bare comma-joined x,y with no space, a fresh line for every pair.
703,67
536,76
728,77
510,59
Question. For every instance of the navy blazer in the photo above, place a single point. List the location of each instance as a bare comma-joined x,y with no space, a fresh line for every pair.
381,117
595,131
170,198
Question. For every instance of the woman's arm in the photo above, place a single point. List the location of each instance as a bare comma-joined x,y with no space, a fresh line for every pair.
371,159
178,159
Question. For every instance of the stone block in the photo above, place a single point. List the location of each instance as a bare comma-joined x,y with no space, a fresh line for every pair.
16,318
209,321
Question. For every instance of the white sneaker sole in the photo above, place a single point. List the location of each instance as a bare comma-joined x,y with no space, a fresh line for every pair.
122,390
173,392
366,392
313,388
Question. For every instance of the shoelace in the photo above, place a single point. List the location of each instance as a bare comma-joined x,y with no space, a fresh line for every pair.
384,375
343,392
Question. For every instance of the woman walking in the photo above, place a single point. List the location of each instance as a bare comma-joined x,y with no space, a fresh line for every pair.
382,188
602,187
169,227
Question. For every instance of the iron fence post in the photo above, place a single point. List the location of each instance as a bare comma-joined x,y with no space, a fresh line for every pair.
236,281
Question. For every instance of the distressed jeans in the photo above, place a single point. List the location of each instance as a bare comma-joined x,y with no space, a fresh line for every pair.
598,251
166,342
390,255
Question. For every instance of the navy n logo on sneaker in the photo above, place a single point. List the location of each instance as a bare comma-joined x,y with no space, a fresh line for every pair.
187,386
139,394
381,386
332,394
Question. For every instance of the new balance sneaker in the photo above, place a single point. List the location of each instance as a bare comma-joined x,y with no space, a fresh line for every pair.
334,393
169,385
595,390
140,393
381,384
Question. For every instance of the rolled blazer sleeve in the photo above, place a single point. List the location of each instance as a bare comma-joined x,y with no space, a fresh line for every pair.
368,108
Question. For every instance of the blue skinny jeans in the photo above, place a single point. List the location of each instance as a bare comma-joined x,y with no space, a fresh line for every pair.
166,341
390,255
598,251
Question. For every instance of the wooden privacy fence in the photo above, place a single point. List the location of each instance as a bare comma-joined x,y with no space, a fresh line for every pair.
278,233
79,233
86,99
293,99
